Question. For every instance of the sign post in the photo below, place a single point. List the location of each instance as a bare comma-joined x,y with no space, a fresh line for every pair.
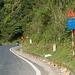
22,39
73,43
71,25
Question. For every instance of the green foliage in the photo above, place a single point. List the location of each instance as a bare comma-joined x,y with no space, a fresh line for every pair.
47,17
37,37
1,3
7,19
44,21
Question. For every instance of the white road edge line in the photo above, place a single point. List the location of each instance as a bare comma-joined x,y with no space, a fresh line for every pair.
35,68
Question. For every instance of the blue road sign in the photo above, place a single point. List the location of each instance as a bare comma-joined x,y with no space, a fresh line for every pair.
70,24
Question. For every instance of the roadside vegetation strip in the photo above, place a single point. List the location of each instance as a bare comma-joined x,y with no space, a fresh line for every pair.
35,68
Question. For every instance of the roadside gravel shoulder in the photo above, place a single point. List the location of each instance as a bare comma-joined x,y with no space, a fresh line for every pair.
41,62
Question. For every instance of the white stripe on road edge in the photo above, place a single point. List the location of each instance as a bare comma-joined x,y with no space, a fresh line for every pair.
35,68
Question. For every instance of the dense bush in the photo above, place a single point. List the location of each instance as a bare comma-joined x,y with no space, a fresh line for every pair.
46,20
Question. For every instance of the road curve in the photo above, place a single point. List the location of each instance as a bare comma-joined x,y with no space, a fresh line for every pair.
34,67
42,69
10,64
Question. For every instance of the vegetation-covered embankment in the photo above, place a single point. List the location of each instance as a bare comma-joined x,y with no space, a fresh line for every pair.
43,21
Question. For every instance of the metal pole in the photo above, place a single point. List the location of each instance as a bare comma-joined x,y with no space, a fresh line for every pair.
73,42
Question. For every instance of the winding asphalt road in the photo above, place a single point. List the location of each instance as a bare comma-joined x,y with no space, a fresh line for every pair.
10,64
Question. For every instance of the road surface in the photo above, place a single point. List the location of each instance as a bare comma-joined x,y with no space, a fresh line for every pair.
10,64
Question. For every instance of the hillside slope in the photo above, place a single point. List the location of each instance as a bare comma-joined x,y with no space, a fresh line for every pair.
43,21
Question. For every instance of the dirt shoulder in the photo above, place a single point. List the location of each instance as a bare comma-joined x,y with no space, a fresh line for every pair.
40,61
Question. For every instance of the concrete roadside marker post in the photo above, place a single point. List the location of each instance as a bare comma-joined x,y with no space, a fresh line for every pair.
30,41
54,47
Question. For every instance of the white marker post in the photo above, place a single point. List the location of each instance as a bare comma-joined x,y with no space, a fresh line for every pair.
30,41
54,47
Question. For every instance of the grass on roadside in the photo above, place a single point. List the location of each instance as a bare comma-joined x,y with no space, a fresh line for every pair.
63,56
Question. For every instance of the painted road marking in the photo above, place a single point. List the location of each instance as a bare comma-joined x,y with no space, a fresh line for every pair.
35,68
